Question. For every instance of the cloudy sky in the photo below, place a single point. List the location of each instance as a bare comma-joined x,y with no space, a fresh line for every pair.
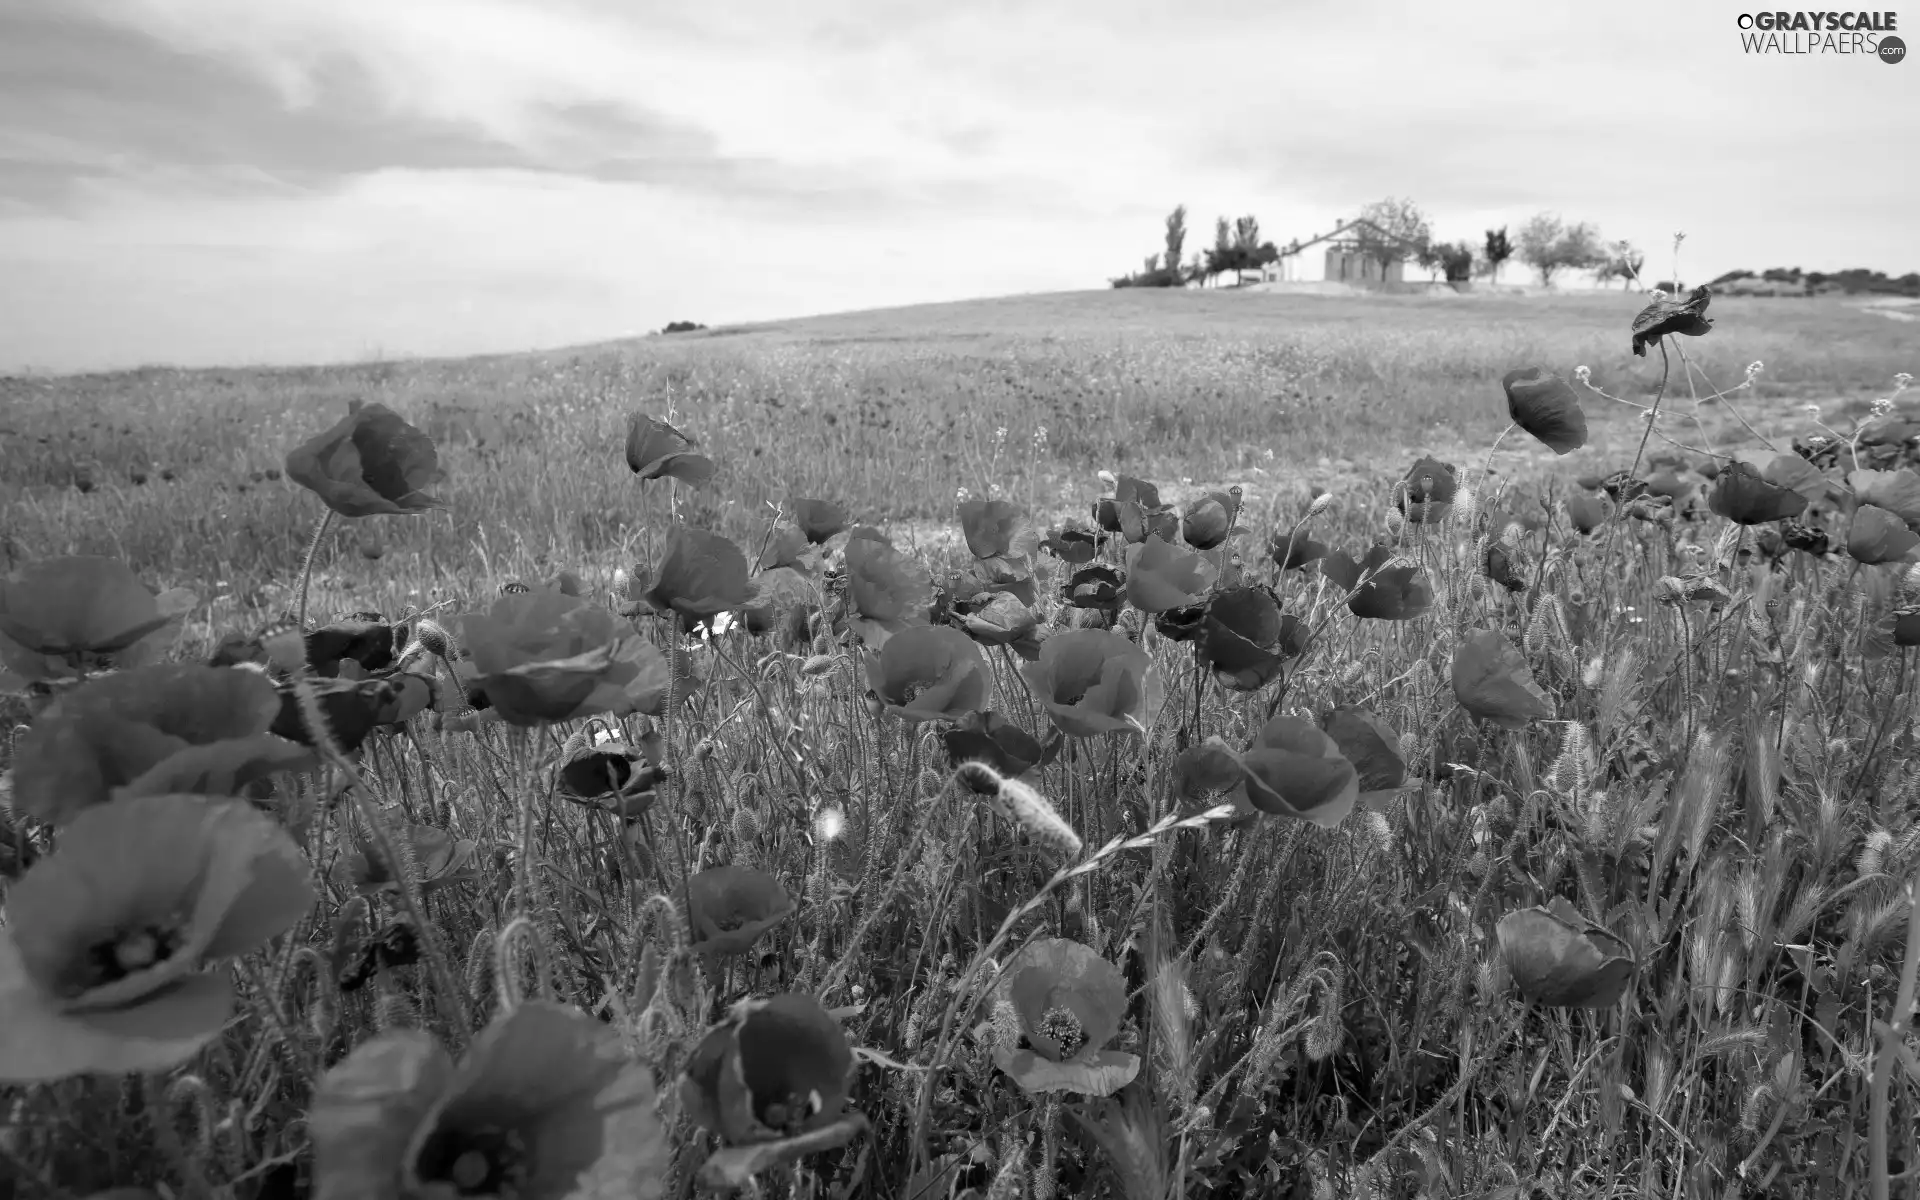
247,181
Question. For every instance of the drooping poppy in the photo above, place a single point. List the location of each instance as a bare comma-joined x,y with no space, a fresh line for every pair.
1425,494
69,616
101,957
819,519
1094,681
148,731
1896,491
1491,680
1161,576
542,657
1742,496
886,590
1558,958
732,907
1878,536
1294,770
656,450
1545,405
990,738
1293,548
1066,1003
929,673
370,463
443,860
546,1105
1664,317
701,576
1210,518
1246,640
1373,749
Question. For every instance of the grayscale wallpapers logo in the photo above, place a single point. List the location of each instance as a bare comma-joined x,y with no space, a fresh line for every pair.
1865,34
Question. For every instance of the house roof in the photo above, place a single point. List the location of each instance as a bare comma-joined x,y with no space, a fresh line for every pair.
1346,226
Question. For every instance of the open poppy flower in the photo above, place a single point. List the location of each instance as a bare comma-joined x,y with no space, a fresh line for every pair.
1073,545
1743,496
546,1105
784,598
1425,494
354,708
610,775
1397,592
886,590
1342,569
990,738
702,576
1878,536
1586,512
997,529
1161,576
1210,518
732,907
1293,548
1126,490
656,450
541,657
1067,1003
1664,317
1295,770
1096,586
147,731
1001,619
1094,681
1181,624
442,858
1896,491
1373,749
819,520
101,957
1562,960
371,463
929,673
1491,680
64,617
1138,523
1246,639
1545,405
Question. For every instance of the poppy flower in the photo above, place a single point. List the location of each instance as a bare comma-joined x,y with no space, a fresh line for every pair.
1011,575
1373,749
62,617
1094,681
702,576
1072,545
1181,624
784,598
610,775
353,708
1245,639
1504,566
1808,539
990,738
1293,548
1210,518
1161,576
1426,492
1904,625
1394,592
372,462
1126,490
731,907
1545,405
542,657
1896,491
101,957
1562,960
1491,680
771,1081
1663,317
1586,512
366,643
545,1105
656,450
1792,472
1743,496
1096,586
1295,770
442,858
1067,1003
1001,619
929,673
152,730
1878,536
997,529
1138,523
886,590
819,520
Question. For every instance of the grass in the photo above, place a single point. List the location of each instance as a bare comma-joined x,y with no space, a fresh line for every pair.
1730,790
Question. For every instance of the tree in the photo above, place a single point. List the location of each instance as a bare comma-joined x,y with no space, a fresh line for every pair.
1176,236
1454,260
1498,250
1402,232
1624,264
1548,245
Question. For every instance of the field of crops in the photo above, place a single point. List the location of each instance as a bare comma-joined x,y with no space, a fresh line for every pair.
1138,745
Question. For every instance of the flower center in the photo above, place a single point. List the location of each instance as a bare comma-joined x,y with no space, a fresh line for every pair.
1065,1029
789,1115
482,1161
126,953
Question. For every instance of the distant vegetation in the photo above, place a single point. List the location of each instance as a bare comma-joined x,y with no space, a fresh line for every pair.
1793,281
682,327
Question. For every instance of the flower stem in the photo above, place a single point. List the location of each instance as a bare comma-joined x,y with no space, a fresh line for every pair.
306,564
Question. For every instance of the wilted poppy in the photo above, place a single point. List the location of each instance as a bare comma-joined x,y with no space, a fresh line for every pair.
1293,548
68,616
610,775
542,657
1586,512
1391,592
656,450
1896,491
1743,496
148,731
1094,681
999,574
1066,1003
443,860
372,462
1245,638
886,590
990,738
929,673
1210,518
1663,317
101,957
1878,536
819,519
1161,576
546,1105
702,575
1808,539
1491,680
1072,545
731,907
1373,749
776,1068
1545,405
1295,770
1560,959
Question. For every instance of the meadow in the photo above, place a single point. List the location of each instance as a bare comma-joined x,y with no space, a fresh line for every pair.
1374,800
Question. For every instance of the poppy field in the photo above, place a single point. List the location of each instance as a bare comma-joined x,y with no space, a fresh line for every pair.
1057,766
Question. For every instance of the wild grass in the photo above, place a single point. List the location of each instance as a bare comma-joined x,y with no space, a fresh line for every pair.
1731,789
